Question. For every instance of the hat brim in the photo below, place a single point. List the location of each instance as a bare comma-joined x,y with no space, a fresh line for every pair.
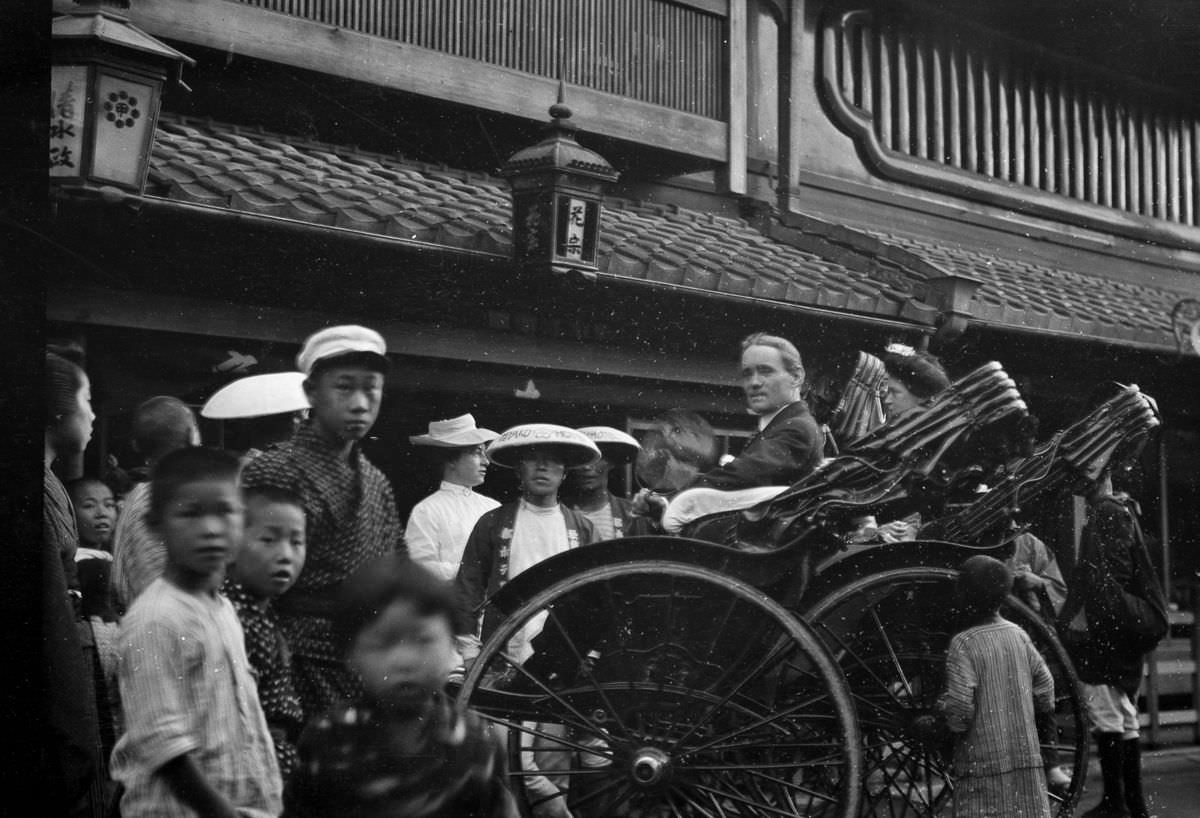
351,357
471,437
273,393
618,453
573,455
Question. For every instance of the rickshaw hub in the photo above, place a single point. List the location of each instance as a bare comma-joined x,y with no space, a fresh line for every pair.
651,766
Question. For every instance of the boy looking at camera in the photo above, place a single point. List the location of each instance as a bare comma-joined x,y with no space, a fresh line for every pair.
196,739
267,564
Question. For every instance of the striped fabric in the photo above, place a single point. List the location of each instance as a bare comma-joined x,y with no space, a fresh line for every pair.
186,688
995,680
138,553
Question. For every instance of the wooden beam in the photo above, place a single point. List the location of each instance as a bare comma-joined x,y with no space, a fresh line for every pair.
197,316
737,103
239,29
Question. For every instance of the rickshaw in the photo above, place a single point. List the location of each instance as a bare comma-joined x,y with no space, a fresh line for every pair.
757,664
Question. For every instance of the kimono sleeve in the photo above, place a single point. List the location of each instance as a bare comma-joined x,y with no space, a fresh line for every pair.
1043,682
472,578
957,703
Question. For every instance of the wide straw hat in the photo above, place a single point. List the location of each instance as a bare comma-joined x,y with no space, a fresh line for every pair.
257,395
575,447
615,445
453,433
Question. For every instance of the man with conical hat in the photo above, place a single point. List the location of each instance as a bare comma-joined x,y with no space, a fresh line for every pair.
512,538
349,506
518,535
610,515
439,525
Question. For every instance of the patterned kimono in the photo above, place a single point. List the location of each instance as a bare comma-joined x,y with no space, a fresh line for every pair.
351,518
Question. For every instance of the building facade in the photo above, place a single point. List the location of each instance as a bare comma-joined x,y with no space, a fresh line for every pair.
1023,187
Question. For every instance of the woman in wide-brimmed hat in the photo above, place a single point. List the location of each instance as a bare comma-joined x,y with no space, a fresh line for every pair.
610,515
439,525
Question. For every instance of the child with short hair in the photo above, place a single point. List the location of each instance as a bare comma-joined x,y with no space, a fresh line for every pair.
995,683
270,559
195,740
402,748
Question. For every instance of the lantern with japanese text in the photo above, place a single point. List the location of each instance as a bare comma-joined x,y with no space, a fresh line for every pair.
557,188
106,81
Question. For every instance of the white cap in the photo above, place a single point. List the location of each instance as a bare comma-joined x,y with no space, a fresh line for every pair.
343,340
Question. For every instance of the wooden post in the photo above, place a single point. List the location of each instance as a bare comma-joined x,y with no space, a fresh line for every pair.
737,104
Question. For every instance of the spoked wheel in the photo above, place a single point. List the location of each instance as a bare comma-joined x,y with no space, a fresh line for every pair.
890,632
658,688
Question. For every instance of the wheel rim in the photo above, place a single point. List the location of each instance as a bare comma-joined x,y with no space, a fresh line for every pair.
889,632
668,689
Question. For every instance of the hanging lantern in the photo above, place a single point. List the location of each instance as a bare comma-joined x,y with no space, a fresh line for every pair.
557,192
106,82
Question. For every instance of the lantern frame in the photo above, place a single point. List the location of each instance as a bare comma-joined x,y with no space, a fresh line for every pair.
98,47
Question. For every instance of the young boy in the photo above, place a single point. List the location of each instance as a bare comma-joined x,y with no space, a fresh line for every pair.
996,682
401,748
268,563
349,507
195,740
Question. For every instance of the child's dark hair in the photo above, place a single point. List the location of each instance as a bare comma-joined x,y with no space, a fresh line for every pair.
162,424
183,466
375,585
983,584
272,494
80,483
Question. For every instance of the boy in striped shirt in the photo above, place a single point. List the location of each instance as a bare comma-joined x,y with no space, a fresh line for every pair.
196,740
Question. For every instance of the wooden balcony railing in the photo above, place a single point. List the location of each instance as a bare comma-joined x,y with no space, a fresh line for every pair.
962,107
665,52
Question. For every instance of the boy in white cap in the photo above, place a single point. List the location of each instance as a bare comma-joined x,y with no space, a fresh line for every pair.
348,503
439,525
610,515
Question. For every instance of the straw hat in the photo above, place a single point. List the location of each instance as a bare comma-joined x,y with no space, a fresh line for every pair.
453,433
576,448
257,395
615,445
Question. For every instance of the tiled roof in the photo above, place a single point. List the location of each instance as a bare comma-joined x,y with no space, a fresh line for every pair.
229,167
252,171
1017,292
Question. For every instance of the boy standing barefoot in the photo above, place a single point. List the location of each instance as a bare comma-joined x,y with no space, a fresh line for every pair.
196,740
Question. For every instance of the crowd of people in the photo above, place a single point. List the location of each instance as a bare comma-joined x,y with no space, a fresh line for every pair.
267,634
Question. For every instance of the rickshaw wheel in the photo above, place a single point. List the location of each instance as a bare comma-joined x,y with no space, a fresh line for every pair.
658,688
889,632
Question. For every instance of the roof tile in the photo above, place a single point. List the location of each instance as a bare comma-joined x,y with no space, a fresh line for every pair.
201,161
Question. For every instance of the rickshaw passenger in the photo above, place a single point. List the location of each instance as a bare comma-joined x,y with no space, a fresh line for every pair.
913,377
789,443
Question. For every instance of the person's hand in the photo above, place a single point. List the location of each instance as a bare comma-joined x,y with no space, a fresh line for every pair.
1027,581
648,504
